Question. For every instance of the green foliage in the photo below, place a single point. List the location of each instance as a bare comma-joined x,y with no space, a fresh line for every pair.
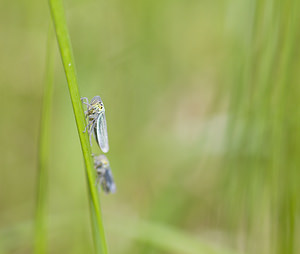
203,121
261,162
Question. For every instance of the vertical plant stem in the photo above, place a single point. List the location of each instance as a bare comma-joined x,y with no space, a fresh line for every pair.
59,20
40,223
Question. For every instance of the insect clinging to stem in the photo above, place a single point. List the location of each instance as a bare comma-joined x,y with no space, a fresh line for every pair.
104,174
95,114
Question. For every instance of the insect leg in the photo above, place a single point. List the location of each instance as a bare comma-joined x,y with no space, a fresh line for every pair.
98,182
86,113
85,101
87,127
84,98
90,136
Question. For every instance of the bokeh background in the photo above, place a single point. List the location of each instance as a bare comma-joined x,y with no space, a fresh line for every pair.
202,102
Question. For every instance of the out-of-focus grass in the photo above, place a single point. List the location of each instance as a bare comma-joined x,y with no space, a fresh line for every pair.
154,234
201,100
261,164
44,145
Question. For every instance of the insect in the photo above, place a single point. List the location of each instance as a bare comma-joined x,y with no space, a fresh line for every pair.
104,175
96,122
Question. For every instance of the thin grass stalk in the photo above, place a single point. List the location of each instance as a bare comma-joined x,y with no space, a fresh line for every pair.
64,43
44,138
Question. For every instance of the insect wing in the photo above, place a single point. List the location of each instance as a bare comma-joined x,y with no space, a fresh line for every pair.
100,131
108,184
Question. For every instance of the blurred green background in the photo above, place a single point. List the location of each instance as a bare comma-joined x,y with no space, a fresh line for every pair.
202,105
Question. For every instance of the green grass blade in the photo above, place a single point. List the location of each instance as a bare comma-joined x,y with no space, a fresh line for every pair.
40,232
58,16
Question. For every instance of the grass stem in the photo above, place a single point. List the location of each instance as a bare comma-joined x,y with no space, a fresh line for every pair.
62,35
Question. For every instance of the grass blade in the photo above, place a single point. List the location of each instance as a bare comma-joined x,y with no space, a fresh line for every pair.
58,17
40,232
